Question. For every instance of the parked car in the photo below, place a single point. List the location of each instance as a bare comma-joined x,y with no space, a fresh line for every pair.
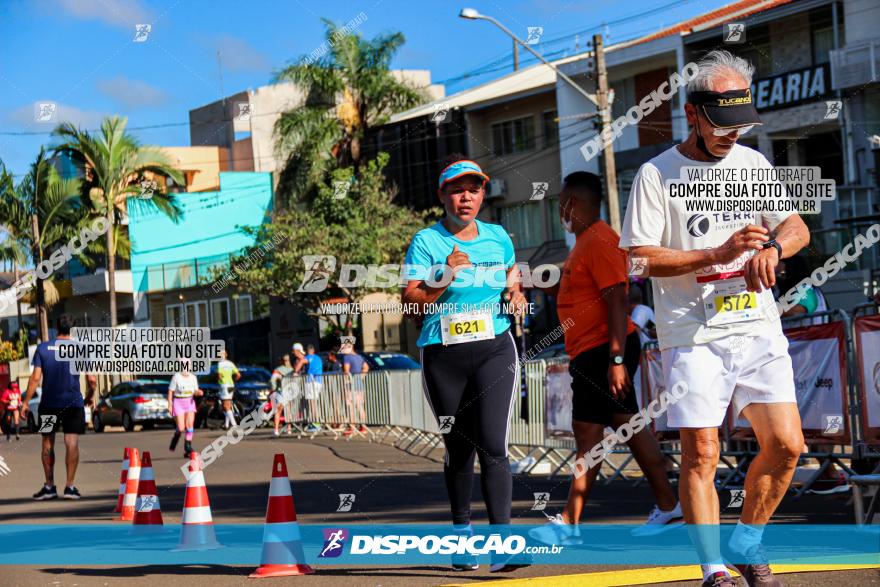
378,361
250,391
133,402
382,361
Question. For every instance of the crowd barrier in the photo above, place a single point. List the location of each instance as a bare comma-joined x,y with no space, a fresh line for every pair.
836,361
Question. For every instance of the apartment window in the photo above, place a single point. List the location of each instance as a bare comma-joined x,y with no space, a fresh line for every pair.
196,314
551,129
243,309
174,315
220,313
513,136
823,44
523,222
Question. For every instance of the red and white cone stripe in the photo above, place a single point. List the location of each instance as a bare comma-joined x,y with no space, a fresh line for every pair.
147,508
196,530
123,475
129,500
282,547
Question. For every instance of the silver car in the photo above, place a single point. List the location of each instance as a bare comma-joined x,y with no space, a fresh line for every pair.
133,402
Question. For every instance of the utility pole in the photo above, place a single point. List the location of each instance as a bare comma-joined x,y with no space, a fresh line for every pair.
515,56
608,150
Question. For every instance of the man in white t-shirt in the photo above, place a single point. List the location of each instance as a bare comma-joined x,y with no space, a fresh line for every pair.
717,324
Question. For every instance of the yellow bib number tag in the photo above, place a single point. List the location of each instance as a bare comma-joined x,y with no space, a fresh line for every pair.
726,301
733,303
466,327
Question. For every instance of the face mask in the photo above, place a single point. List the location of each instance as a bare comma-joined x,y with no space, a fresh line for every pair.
701,145
456,220
566,224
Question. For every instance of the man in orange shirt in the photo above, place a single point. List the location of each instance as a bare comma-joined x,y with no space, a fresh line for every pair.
604,348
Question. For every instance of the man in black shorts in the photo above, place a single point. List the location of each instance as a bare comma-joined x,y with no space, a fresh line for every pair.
61,408
604,348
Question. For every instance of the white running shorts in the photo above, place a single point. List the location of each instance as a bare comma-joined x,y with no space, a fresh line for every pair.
738,369
226,392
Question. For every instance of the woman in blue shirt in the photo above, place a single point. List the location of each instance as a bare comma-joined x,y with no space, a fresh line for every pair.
460,272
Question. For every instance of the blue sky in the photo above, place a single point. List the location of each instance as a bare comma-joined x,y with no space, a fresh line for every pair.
81,54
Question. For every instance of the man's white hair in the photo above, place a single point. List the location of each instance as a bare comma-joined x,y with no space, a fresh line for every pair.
719,64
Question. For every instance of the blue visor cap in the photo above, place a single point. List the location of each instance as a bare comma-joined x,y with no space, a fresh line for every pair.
458,169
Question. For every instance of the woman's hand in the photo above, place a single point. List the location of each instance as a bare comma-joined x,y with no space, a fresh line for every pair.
199,393
515,298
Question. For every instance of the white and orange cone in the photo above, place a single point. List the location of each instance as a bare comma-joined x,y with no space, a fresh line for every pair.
197,525
282,548
129,499
123,475
147,511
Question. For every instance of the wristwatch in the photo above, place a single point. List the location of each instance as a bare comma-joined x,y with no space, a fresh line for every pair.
776,245
616,360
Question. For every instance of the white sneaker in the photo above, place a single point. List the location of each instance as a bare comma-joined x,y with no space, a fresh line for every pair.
556,531
277,433
660,521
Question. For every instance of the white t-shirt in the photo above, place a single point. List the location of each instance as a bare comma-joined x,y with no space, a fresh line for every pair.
641,315
183,386
655,219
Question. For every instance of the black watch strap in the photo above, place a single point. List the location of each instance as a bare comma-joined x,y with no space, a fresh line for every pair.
616,360
773,243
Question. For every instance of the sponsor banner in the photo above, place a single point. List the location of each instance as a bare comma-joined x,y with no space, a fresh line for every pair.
818,358
867,329
404,544
653,384
557,401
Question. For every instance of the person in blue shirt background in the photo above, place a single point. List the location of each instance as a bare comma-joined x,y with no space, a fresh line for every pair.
61,408
467,269
314,383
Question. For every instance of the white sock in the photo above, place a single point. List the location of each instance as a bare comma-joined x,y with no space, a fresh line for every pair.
675,510
746,537
230,417
712,568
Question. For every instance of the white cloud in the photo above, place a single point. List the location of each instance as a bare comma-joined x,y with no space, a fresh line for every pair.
123,13
131,93
24,116
238,55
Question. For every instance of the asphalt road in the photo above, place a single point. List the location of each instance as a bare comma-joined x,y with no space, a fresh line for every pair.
390,485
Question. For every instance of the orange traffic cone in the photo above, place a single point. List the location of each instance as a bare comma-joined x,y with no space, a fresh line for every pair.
122,477
147,511
129,500
282,550
197,526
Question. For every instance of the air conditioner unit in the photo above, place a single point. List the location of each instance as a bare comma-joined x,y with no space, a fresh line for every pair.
497,188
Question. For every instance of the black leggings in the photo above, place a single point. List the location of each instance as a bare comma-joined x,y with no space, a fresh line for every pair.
474,382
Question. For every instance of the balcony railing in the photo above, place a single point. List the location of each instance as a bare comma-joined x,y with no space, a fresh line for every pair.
183,274
855,65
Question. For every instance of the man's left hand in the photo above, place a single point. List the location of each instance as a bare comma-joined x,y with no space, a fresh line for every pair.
760,270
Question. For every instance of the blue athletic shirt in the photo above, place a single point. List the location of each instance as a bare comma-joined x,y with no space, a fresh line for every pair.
60,387
315,368
491,253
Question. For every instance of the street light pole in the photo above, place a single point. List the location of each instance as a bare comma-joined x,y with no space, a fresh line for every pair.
600,101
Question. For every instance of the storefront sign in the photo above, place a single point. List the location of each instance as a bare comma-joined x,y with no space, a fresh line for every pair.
794,87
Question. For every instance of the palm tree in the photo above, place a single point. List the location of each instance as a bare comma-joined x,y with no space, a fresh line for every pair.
348,90
115,164
42,213
12,250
